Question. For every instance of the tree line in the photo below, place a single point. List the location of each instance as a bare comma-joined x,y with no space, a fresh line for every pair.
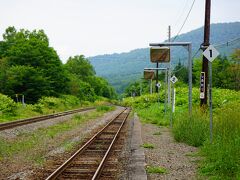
30,67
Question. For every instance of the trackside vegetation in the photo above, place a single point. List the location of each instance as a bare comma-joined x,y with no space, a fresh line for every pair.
10,110
43,138
221,157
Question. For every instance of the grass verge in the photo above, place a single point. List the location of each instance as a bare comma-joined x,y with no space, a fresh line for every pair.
221,157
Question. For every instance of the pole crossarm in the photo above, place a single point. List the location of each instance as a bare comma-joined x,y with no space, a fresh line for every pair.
155,69
171,44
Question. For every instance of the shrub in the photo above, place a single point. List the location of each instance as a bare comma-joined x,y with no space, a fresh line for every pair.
7,105
50,102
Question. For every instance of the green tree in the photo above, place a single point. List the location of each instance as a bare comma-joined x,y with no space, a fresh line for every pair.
181,72
31,49
80,66
82,71
27,81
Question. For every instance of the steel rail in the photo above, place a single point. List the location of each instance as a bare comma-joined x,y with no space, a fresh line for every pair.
12,124
61,168
100,167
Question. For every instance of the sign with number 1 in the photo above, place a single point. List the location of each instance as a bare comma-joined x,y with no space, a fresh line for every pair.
211,53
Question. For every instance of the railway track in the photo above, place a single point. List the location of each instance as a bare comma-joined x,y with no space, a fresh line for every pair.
13,124
92,160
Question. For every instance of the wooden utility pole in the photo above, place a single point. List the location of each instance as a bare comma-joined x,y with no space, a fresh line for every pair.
204,47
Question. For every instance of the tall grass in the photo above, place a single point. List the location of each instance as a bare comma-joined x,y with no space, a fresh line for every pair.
222,156
194,130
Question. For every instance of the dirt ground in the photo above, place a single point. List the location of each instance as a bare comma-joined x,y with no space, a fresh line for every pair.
176,158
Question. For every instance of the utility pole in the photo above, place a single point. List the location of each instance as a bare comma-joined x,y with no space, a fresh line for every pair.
169,68
204,47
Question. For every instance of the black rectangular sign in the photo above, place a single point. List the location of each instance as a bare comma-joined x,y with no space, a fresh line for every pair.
202,85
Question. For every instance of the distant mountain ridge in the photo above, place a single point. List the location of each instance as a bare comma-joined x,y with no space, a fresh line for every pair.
122,68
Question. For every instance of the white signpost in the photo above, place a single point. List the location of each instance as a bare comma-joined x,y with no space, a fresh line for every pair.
210,53
173,79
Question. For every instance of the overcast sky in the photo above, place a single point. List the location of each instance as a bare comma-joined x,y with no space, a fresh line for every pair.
94,27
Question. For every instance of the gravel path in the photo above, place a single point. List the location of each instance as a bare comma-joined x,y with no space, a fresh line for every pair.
174,157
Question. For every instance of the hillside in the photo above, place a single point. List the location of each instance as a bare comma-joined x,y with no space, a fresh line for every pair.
121,69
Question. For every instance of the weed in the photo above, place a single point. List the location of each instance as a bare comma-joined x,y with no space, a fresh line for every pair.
147,145
104,108
156,170
157,133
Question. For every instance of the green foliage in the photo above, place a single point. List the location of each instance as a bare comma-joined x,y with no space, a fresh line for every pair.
7,105
156,170
32,67
105,108
83,82
46,105
80,66
226,72
27,81
153,114
222,156
157,133
147,145
193,131
50,102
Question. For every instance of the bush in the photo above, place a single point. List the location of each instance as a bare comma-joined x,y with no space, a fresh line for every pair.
50,102
7,105
70,101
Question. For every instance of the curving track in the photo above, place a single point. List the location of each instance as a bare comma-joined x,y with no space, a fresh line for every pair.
90,160
13,124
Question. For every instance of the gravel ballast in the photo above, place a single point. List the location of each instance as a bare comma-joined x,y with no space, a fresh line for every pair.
20,167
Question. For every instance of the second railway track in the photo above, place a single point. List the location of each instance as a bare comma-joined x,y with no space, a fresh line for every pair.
92,160
22,122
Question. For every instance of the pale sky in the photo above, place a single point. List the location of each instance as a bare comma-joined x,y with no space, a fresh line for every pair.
94,27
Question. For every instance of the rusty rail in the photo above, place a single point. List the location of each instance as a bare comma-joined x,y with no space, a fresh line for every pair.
22,122
89,160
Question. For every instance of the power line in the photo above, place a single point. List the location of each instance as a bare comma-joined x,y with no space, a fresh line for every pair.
184,21
228,43
181,14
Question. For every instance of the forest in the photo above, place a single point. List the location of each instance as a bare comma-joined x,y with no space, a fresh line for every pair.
31,68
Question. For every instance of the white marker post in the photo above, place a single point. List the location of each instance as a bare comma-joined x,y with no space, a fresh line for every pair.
173,80
210,53
158,86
